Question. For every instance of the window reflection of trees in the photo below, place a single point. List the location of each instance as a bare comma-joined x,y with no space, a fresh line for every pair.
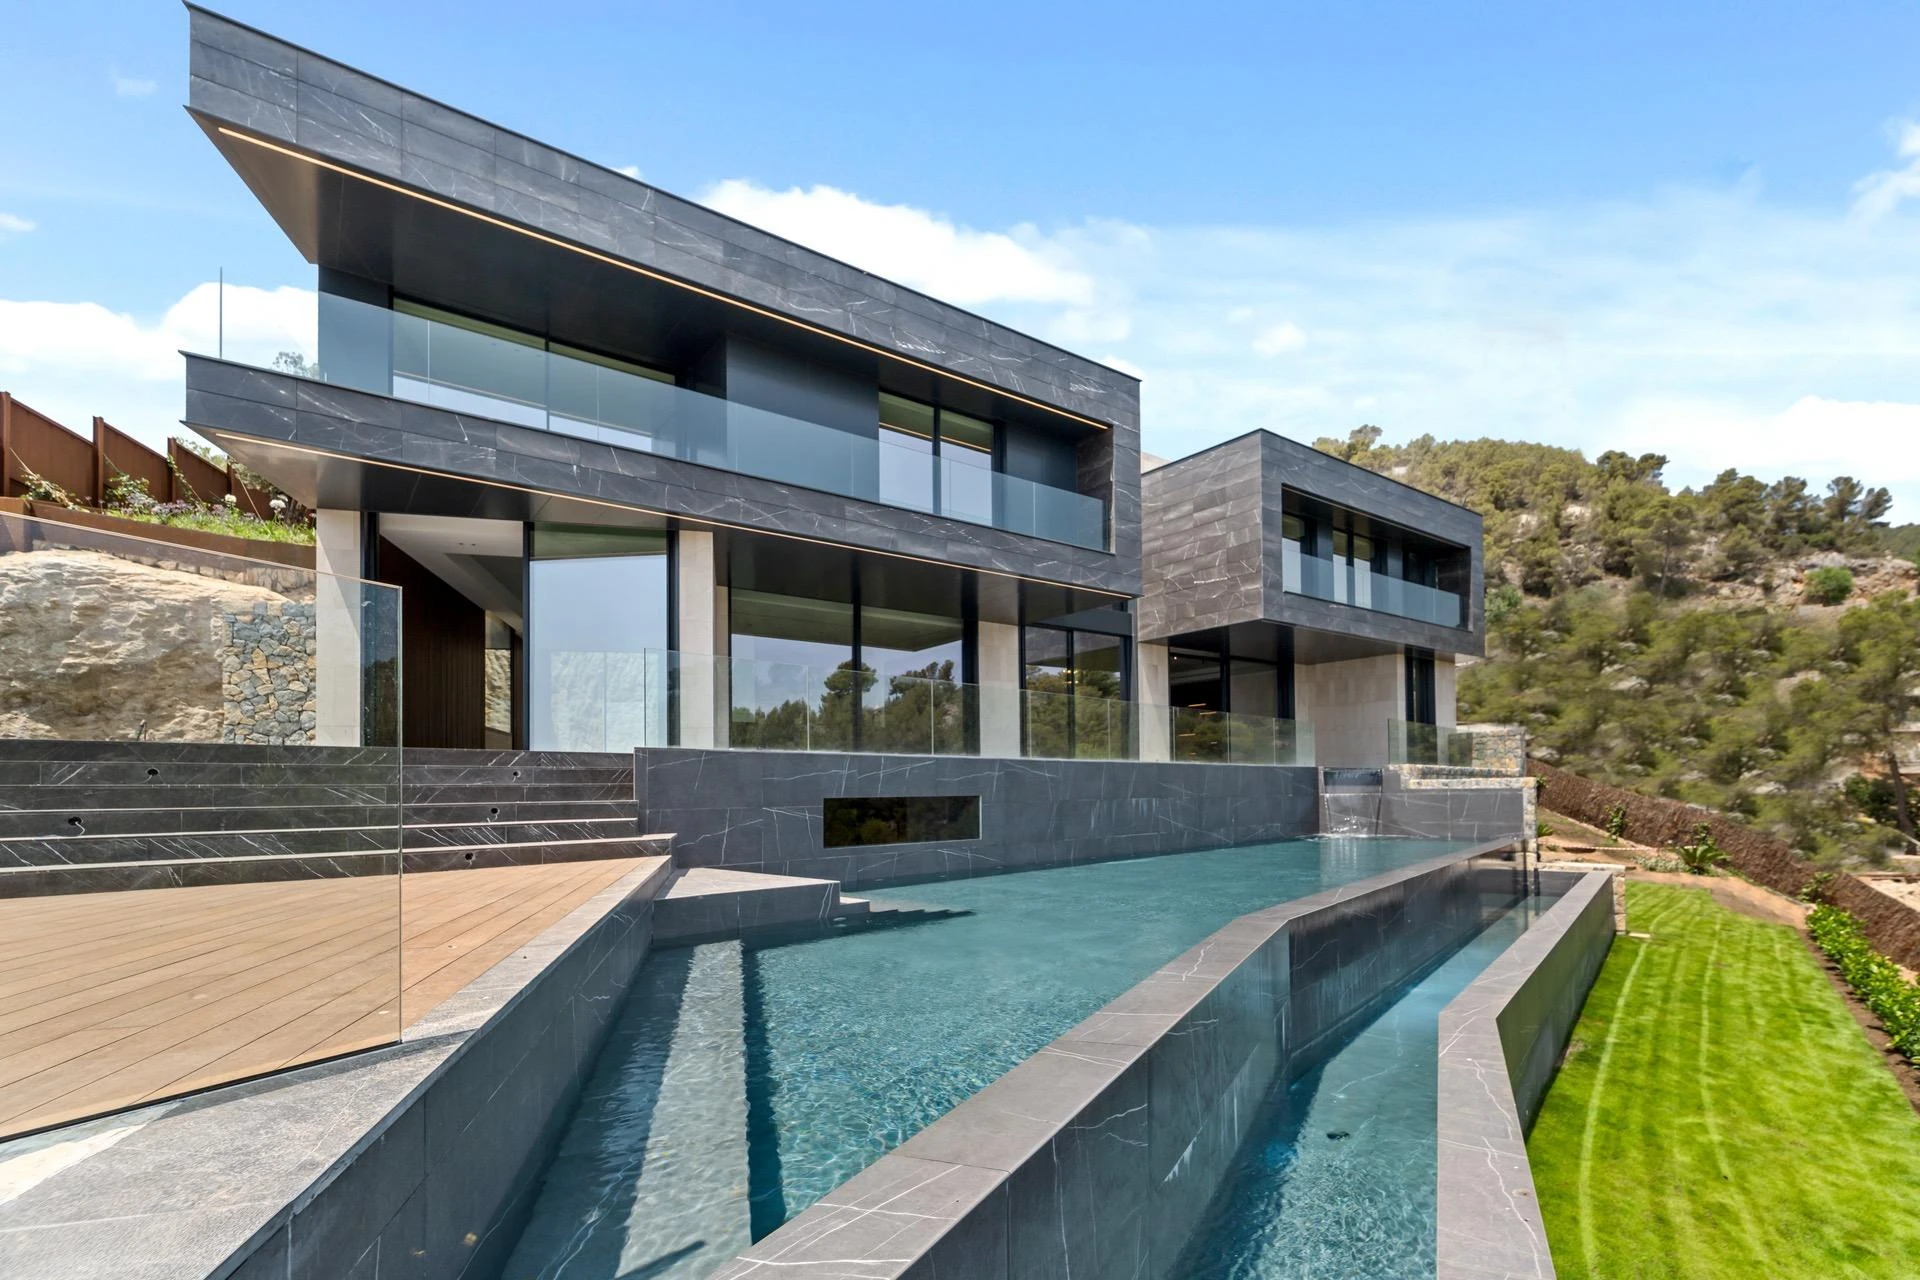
924,711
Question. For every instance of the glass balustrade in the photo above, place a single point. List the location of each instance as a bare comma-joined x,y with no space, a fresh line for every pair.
1412,743
1343,583
497,373
1228,738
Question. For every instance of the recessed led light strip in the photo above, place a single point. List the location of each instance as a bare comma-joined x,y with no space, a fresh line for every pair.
309,450
638,270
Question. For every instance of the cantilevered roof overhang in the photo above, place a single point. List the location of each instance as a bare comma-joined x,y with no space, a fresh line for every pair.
376,181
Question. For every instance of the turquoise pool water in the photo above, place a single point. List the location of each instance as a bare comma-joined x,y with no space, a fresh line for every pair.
1339,1177
857,1041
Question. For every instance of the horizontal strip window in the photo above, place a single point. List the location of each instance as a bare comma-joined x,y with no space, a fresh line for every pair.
864,820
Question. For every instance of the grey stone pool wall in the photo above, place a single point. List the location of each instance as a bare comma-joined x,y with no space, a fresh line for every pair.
1415,803
762,810
1098,1155
1500,1044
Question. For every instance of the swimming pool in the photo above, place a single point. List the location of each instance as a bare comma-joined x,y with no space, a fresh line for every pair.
740,1085
857,1042
1338,1178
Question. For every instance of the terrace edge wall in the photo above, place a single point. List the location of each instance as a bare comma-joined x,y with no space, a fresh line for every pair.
1099,1154
1500,1044
763,810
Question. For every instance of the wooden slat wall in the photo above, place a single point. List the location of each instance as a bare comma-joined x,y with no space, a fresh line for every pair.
443,672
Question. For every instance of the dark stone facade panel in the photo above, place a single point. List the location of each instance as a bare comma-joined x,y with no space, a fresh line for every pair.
352,118
761,810
272,406
1212,543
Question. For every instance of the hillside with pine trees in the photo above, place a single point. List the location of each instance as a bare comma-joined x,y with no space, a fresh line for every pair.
1747,646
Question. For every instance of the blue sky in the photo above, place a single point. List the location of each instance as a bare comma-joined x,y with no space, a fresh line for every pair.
1690,228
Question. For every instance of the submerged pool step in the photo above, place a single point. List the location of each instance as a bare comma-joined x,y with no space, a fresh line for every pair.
651,1178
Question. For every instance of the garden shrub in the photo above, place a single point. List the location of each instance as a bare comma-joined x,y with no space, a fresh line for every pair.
1700,854
1829,585
1875,979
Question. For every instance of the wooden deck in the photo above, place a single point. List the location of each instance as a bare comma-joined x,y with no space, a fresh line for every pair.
109,1000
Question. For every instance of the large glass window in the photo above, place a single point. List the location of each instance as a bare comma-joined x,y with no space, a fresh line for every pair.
1076,694
906,452
1333,554
966,467
597,612
935,459
915,703
794,683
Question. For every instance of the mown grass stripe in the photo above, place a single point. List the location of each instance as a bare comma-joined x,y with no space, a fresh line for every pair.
1725,1119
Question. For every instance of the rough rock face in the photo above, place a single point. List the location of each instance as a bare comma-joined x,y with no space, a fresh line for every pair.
94,646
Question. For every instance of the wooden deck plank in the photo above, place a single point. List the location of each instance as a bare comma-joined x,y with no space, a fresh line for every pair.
109,1000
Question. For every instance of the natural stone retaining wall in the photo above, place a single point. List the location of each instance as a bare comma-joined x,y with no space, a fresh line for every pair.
267,673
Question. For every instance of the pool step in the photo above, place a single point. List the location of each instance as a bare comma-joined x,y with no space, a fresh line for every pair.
651,1177
710,902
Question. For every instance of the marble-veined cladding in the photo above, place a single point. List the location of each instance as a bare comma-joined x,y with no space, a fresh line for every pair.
1212,545
274,406
1500,1042
761,810
258,83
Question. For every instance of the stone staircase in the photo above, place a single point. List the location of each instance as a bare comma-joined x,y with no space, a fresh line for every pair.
515,808
87,817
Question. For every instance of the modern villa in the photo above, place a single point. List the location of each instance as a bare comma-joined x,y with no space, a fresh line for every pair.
671,581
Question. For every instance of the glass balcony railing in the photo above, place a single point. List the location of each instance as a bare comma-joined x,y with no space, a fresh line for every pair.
1411,743
502,375
600,701
1228,738
1344,583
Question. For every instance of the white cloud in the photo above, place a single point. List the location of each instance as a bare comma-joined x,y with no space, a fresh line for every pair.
1279,339
1877,194
631,170
131,86
72,360
919,249
12,224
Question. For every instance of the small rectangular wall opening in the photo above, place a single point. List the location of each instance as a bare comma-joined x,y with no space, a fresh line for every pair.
862,820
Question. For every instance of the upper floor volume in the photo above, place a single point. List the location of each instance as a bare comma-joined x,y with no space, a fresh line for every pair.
469,268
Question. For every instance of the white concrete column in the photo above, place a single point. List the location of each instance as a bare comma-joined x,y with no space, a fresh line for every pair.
999,652
1153,699
1350,704
701,638
337,627
1446,691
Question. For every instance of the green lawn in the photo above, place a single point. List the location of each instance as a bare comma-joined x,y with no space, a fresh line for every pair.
1722,1115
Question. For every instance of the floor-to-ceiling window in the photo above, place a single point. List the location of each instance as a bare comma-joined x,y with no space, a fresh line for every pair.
835,652
1076,694
916,702
598,607
795,685
933,459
